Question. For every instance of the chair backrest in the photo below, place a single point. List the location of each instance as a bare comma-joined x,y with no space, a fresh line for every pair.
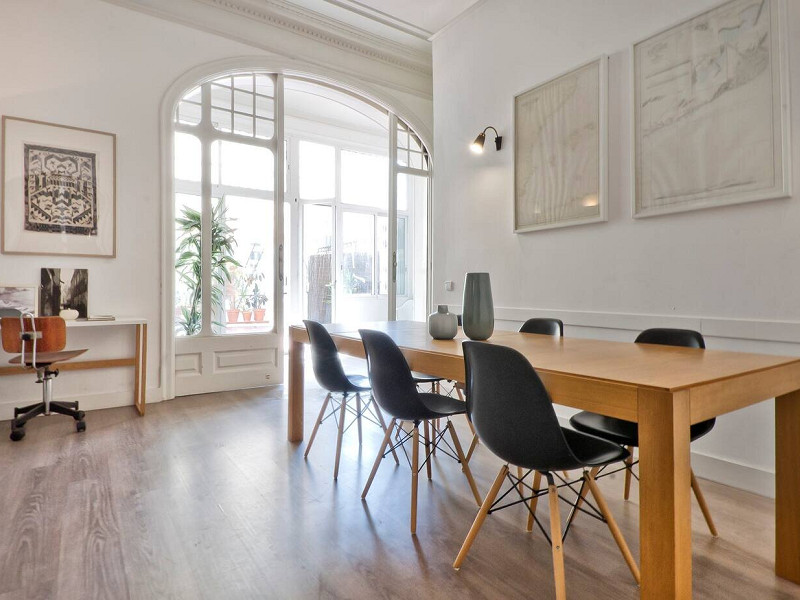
671,337
325,359
390,377
543,326
511,409
53,330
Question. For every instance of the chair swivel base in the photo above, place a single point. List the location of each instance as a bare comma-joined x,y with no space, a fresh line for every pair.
26,413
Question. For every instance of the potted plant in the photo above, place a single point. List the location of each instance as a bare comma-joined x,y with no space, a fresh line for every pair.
257,302
233,311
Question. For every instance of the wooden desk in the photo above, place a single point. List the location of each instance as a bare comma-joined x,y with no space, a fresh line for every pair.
138,361
663,388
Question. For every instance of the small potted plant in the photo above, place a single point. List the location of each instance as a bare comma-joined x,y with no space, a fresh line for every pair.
257,302
233,311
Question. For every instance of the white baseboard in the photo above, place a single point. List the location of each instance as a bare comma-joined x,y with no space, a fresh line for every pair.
88,401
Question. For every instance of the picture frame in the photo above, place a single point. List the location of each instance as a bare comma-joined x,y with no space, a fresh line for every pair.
710,110
17,299
561,150
58,194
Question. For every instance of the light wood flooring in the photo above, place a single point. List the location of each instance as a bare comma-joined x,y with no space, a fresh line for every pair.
205,498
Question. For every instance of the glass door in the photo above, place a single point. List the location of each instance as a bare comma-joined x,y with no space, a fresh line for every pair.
228,252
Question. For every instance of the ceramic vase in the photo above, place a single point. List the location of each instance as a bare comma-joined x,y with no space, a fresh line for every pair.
478,317
442,325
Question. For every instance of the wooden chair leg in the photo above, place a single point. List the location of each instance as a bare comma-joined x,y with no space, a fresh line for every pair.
428,427
612,526
520,485
316,425
386,437
628,473
379,414
434,432
339,437
558,543
701,500
464,464
581,497
358,416
414,478
480,517
474,443
537,481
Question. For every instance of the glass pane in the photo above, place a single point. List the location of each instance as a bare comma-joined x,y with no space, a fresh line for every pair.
225,81
265,129
243,125
415,160
243,82
264,85
242,270
243,102
317,171
192,95
265,107
189,113
365,179
188,306
220,96
358,248
221,119
188,163
242,165
318,262
412,248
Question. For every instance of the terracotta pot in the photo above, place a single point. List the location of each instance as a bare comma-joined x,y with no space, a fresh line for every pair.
258,314
233,315
246,314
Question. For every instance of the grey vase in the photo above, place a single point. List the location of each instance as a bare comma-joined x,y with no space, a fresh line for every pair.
478,318
442,325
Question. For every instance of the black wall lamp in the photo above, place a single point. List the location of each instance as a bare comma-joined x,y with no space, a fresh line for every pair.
477,145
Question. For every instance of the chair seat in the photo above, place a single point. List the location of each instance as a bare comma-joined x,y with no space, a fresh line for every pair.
440,406
47,358
423,378
625,433
360,383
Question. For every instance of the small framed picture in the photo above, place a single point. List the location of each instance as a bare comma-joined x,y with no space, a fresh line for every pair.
18,299
58,189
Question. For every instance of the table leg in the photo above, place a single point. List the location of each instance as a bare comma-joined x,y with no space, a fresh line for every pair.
295,391
787,486
140,369
664,490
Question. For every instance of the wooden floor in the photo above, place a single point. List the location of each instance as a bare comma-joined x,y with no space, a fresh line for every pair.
205,498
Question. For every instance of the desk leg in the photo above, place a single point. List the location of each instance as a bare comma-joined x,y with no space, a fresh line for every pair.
295,391
664,489
787,486
140,369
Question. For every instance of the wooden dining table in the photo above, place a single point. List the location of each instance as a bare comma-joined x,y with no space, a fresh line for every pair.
664,389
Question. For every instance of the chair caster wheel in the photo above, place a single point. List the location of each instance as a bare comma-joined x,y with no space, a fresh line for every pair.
79,416
80,426
17,434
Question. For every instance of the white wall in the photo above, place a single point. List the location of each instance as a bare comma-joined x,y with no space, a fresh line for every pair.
87,63
733,273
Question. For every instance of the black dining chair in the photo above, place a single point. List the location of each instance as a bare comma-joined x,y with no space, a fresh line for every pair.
514,416
340,387
626,433
395,391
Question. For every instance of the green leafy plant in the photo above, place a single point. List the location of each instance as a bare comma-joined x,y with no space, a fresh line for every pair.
257,299
188,263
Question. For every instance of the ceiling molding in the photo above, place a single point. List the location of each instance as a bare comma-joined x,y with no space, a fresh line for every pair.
329,31
382,17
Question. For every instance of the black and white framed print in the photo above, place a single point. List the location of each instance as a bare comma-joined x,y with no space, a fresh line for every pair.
58,193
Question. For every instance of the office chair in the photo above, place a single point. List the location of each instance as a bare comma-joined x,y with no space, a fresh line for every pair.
394,389
514,416
626,433
40,342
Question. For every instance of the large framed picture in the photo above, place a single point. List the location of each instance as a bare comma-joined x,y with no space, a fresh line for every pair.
58,189
711,110
560,150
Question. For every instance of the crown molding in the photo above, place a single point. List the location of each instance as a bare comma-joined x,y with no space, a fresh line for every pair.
382,17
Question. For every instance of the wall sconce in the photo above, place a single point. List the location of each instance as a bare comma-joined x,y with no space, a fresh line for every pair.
477,145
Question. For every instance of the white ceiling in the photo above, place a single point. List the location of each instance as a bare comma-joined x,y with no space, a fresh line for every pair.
428,15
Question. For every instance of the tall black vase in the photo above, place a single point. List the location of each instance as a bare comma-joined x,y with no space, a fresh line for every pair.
478,315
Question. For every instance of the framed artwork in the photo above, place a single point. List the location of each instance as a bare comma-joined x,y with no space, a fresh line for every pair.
710,110
58,189
560,150
16,300
64,288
